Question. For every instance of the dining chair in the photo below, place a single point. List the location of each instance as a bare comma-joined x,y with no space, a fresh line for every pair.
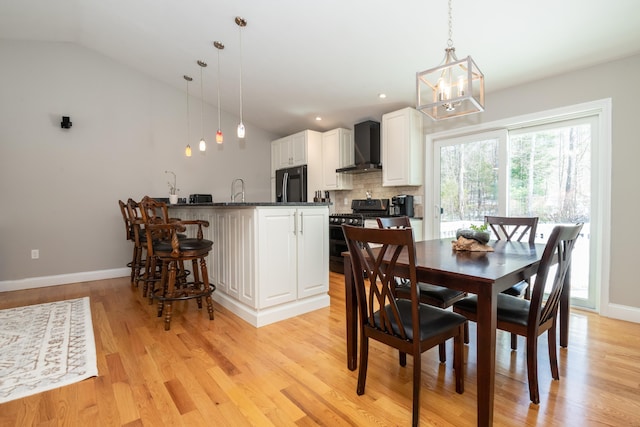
514,228
438,296
404,324
167,249
531,318
129,235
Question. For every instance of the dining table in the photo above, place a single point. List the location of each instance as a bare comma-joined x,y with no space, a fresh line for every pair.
484,274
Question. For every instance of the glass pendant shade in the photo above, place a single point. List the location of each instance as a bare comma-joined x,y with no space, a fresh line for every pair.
187,151
202,145
219,137
241,130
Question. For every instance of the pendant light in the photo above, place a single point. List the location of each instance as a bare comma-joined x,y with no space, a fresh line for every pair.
241,22
219,136
187,150
452,89
203,144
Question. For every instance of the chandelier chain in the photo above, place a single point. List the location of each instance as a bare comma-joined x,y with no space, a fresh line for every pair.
450,41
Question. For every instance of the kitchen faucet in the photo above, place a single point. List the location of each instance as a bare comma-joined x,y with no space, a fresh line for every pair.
234,195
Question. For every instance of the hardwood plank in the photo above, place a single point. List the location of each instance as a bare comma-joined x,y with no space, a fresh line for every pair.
293,373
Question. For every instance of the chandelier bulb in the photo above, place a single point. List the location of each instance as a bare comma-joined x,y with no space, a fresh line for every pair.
241,130
203,145
219,137
187,151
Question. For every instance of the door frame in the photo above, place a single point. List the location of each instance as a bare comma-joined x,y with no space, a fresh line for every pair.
601,213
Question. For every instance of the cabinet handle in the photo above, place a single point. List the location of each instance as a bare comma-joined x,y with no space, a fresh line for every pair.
295,224
301,222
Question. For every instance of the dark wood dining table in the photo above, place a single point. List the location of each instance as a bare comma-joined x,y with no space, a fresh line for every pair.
482,273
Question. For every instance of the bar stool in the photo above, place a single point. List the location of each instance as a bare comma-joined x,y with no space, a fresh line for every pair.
166,248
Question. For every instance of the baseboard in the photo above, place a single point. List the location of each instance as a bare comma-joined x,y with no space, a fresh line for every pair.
62,279
258,318
623,312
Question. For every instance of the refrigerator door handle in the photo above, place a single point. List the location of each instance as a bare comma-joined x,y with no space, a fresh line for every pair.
285,186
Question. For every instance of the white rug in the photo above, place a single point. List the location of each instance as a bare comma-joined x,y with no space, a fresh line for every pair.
45,346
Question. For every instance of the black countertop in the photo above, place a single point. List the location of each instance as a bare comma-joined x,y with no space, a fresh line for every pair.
246,204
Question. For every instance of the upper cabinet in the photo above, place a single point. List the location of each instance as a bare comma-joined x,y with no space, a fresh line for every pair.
289,151
302,148
402,148
337,152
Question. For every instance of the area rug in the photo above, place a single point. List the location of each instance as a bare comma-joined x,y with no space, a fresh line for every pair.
45,346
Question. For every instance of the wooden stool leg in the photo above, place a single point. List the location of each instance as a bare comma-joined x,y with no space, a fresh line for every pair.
205,282
169,293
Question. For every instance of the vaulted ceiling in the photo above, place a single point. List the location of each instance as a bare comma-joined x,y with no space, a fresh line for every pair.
331,58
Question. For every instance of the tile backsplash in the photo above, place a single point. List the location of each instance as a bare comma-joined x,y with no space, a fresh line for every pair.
372,182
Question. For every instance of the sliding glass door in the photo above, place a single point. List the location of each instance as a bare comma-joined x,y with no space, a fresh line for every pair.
544,171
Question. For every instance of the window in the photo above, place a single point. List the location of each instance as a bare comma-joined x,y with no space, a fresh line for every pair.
546,168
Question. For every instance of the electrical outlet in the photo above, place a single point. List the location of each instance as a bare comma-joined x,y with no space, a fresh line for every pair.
417,200
346,201
35,253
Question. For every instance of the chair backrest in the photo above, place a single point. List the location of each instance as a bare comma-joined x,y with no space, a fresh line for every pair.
125,216
374,253
394,222
154,212
557,252
508,227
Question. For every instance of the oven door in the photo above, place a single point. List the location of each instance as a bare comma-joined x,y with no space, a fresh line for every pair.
337,245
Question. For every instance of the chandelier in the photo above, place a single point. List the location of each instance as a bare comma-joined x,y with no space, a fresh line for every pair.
454,88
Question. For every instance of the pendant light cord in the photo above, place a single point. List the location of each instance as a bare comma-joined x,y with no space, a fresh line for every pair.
201,104
218,89
450,41
240,29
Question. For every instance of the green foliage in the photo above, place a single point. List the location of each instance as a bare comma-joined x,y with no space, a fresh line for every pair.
482,227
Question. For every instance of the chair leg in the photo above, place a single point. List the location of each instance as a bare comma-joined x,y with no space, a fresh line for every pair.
205,282
169,293
458,359
442,351
466,332
553,352
364,358
532,369
402,358
514,341
417,374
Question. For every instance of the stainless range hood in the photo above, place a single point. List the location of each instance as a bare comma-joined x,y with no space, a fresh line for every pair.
366,138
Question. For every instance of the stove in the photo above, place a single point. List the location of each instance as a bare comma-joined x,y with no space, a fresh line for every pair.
364,214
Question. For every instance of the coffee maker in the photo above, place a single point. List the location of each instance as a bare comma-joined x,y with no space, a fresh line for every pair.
402,205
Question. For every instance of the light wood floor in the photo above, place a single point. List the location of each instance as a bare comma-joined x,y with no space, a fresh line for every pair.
293,373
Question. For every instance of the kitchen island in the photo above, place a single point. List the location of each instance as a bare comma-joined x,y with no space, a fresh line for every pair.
270,261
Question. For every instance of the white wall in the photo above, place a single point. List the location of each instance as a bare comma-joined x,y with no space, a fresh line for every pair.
60,188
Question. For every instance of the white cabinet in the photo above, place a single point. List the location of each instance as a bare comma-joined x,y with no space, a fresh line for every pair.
234,254
290,150
402,148
302,148
293,254
268,263
337,152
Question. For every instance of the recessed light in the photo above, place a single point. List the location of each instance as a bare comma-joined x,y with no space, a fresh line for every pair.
382,95
318,118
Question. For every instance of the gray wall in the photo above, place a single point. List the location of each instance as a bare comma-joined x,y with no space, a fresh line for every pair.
60,188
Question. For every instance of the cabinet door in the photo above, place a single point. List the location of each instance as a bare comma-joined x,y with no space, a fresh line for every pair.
281,158
276,274
298,149
240,255
402,148
337,152
313,251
